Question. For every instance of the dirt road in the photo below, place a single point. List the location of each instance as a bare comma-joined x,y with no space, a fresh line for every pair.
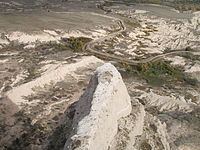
90,48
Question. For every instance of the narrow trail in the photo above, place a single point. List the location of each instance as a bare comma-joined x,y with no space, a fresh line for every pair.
90,48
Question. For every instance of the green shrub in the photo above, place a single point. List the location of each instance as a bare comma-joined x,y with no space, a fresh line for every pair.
188,48
76,44
72,43
159,72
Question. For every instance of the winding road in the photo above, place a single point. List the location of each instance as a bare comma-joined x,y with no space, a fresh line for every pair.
90,48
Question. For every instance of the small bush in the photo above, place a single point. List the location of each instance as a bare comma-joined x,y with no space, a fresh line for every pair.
188,48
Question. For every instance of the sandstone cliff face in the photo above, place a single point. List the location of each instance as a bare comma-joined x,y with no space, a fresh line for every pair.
104,102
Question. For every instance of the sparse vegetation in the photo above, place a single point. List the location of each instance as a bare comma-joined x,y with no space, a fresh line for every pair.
110,52
190,56
188,48
181,5
105,4
72,43
76,44
159,73
145,146
132,23
187,8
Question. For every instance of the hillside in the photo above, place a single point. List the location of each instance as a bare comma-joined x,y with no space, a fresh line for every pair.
99,75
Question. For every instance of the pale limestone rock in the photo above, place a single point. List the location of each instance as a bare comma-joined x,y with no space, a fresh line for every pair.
104,102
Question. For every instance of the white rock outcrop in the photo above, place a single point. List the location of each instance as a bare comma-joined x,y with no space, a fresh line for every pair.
104,102
166,103
50,76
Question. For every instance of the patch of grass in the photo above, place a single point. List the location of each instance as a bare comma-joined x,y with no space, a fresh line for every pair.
72,43
58,46
188,48
190,81
76,44
103,6
181,5
114,31
32,73
186,8
145,146
159,72
132,23
190,56
107,4
110,52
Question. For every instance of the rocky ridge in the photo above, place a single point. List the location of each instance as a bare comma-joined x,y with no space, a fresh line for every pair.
104,102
